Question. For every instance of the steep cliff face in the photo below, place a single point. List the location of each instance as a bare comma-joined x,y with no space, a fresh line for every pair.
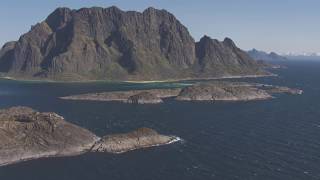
108,43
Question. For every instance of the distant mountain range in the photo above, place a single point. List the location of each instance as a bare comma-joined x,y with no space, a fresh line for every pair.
302,56
111,44
261,55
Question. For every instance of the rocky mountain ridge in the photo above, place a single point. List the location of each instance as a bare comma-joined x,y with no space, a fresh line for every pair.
261,55
111,44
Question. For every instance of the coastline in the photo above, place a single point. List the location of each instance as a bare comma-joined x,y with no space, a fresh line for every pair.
44,157
200,79
138,82
174,140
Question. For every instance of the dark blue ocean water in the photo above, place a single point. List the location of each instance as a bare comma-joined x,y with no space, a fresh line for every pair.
277,139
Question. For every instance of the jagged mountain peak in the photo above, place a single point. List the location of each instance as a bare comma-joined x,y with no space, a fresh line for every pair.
229,42
59,18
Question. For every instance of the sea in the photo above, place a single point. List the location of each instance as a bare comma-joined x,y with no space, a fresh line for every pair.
277,139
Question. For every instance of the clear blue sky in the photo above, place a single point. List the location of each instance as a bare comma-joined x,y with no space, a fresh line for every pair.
271,25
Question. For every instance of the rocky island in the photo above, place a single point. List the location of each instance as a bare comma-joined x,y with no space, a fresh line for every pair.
27,134
151,96
144,98
205,91
141,138
222,91
281,89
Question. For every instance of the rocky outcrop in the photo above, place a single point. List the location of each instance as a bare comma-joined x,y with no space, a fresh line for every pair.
143,137
144,98
148,96
222,91
233,91
111,44
281,89
26,134
6,56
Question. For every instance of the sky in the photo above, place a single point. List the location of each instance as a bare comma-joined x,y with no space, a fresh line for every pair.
270,25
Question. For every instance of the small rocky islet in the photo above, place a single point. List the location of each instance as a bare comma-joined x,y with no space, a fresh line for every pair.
140,138
27,134
204,91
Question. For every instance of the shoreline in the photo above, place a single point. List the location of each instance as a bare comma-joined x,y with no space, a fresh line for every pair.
200,79
174,140
44,157
139,82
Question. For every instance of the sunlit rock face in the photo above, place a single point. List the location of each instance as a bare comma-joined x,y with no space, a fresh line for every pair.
27,134
140,138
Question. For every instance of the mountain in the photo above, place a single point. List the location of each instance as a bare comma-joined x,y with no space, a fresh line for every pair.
111,44
302,56
217,58
261,55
